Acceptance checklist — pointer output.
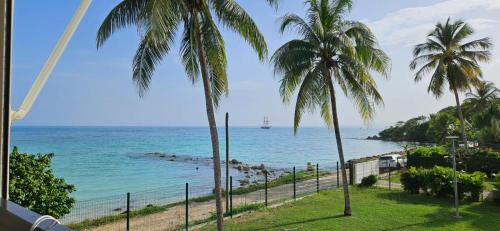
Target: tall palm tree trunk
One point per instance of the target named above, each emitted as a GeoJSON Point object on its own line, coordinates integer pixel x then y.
{"type": "Point", "coordinates": [211, 121]}
{"type": "Point", "coordinates": [347, 200]}
{"type": "Point", "coordinates": [462, 120]}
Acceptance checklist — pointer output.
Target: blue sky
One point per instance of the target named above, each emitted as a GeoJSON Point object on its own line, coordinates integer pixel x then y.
{"type": "Point", "coordinates": [94, 87]}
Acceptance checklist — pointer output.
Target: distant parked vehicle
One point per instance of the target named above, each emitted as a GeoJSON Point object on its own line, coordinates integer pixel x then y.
{"type": "Point", "coordinates": [393, 161]}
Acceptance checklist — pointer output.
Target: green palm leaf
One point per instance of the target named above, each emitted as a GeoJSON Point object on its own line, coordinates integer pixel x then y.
{"type": "Point", "coordinates": [330, 50]}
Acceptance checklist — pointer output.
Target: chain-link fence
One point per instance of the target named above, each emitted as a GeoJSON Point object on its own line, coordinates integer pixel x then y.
{"type": "Point", "coordinates": [166, 208]}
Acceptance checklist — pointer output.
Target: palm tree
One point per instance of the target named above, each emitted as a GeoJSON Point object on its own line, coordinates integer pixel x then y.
{"type": "Point", "coordinates": [485, 94]}
{"type": "Point", "coordinates": [451, 60]}
{"type": "Point", "coordinates": [202, 48]}
{"type": "Point", "coordinates": [330, 50]}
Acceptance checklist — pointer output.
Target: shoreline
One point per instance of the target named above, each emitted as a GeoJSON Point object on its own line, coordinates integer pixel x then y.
{"type": "Point", "coordinates": [252, 173]}
{"type": "Point", "coordinates": [202, 206]}
{"type": "Point", "coordinates": [284, 178]}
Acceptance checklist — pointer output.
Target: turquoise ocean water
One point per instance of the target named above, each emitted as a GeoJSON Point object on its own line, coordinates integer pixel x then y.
{"type": "Point", "coordinates": [107, 161]}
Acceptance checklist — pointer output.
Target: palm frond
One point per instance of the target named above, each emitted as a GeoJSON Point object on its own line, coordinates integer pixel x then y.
{"type": "Point", "coordinates": [483, 44]}
{"type": "Point", "coordinates": [189, 52]}
{"type": "Point", "coordinates": [306, 96]}
{"type": "Point", "coordinates": [293, 21]}
{"type": "Point", "coordinates": [213, 44]}
{"type": "Point", "coordinates": [124, 14]}
{"type": "Point", "coordinates": [147, 56]}
{"type": "Point", "coordinates": [234, 17]}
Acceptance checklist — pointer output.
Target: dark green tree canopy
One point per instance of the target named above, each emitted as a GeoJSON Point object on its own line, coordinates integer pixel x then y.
{"type": "Point", "coordinates": [33, 185]}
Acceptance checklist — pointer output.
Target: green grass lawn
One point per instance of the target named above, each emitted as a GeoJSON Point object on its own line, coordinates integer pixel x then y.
{"type": "Point", "coordinates": [373, 209]}
{"type": "Point", "coordinates": [395, 177]}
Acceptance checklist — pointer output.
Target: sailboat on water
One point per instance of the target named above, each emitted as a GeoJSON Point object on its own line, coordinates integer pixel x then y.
{"type": "Point", "coordinates": [265, 124]}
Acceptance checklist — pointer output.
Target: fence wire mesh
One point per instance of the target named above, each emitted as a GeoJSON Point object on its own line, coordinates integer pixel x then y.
{"type": "Point", "coordinates": [166, 208]}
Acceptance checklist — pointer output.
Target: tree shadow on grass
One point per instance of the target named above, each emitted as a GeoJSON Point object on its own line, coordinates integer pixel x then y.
{"type": "Point", "coordinates": [418, 199]}
{"type": "Point", "coordinates": [481, 216]}
{"type": "Point", "coordinates": [302, 222]}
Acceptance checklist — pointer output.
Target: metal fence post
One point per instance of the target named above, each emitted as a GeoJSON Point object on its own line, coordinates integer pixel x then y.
{"type": "Point", "coordinates": [266, 188]}
{"type": "Point", "coordinates": [317, 178]}
{"type": "Point", "coordinates": [187, 206]}
{"type": "Point", "coordinates": [338, 183]}
{"type": "Point", "coordinates": [227, 160]}
{"type": "Point", "coordinates": [389, 178]}
{"type": "Point", "coordinates": [387, 168]}
{"type": "Point", "coordinates": [231, 196]}
{"type": "Point", "coordinates": [128, 211]}
{"type": "Point", "coordinates": [294, 185]}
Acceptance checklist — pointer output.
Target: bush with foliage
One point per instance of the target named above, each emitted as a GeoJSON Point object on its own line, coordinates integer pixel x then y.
{"type": "Point", "coordinates": [428, 157]}
{"type": "Point", "coordinates": [410, 180]}
{"type": "Point", "coordinates": [368, 181]}
{"type": "Point", "coordinates": [33, 185]}
{"type": "Point", "coordinates": [486, 161]}
{"type": "Point", "coordinates": [496, 192]}
{"type": "Point", "coordinates": [438, 181]}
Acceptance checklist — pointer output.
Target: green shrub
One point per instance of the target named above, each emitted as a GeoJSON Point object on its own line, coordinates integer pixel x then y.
{"type": "Point", "coordinates": [34, 185]}
{"type": "Point", "coordinates": [438, 182]}
{"type": "Point", "coordinates": [497, 180]}
{"type": "Point", "coordinates": [430, 151]}
{"type": "Point", "coordinates": [486, 161]}
{"type": "Point", "coordinates": [428, 157]}
{"type": "Point", "coordinates": [409, 180]}
{"type": "Point", "coordinates": [368, 181]}
{"type": "Point", "coordinates": [496, 192]}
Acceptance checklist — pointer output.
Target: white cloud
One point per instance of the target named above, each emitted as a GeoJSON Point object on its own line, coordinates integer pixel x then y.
{"type": "Point", "coordinates": [410, 25]}
{"type": "Point", "coordinates": [491, 71]}
{"type": "Point", "coordinates": [482, 24]}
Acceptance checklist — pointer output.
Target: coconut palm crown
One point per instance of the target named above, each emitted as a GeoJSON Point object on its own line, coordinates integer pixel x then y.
{"type": "Point", "coordinates": [451, 61]}
{"type": "Point", "coordinates": [158, 22]}
{"type": "Point", "coordinates": [202, 48]}
{"type": "Point", "coordinates": [330, 51]}
{"type": "Point", "coordinates": [484, 95]}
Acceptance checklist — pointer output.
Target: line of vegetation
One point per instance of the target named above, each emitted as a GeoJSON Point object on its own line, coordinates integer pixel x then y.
{"type": "Point", "coordinates": [300, 176]}
{"type": "Point", "coordinates": [484, 160]}
{"type": "Point", "coordinates": [481, 112]}
{"type": "Point", "coordinates": [115, 217]}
